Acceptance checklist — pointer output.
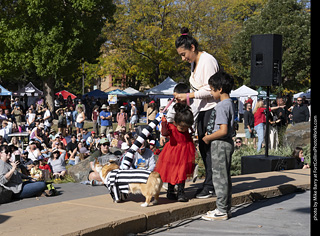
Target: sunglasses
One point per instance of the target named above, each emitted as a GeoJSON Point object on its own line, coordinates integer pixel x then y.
{"type": "Point", "coordinates": [238, 142]}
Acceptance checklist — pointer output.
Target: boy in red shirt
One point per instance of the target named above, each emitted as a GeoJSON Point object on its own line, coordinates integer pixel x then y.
{"type": "Point", "coordinates": [47, 172]}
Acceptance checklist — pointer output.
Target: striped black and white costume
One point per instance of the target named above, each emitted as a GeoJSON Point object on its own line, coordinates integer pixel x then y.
{"type": "Point", "coordinates": [128, 158]}
{"type": "Point", "coordinates": [112, 181]}
{"type": "Point", "coordinates": [117, 181]}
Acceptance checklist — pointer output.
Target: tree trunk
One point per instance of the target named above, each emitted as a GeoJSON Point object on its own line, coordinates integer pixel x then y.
{"type": "Point", "coordinates": [48, 91]}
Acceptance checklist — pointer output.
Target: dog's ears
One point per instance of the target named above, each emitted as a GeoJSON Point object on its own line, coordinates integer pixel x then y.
{"type": "Point", "coordinates": [97, 160]}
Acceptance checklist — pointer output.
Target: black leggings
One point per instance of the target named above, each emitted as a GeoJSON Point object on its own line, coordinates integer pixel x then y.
{"type": "Point", "coordinates": [202, 122]}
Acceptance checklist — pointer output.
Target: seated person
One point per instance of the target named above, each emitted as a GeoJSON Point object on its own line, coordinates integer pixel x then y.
{"type": "Point", "coordinates": [46, 169]}
{"type": "Point", "coordinates": [102, 154]}
{"type": "Point", "coordinates": [299, 159]}
{"type": "Point", "coordinates": [36, 172]}
{"type": "Point", "coordinates": [33, 151]}
{"type": "Point", "coordinates": [238, 143]}
{"type": "Point", "coordinates": [144, 159]}
{"type": "Point", "coordinates": [57, 163]}
{"type": "Point", "coordinates": [79, 154]}
{"type": "Point", "coordinates": [11, 179]}
{"type": "Point", "coordinates": [92, 141]}
{"type": "Point", "coordinates": [26, 164]}
{"type": "Point", "coordinates": [153, 147]}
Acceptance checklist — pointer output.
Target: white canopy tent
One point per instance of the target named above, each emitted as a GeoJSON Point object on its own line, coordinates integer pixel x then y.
{"type": "Point", "coordinates": [301, 94]}
{"type": "Point", "coordinates": [242, 95]}
{"type": "Point", "coordinates": [133, 92]}
{"type": "Point", "coordinates": [165, 88]}
{"type": "Point", "coordinates": [163, 91]}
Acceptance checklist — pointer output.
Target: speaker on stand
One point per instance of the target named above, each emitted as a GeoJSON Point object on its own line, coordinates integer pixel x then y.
{"type": "Point", "coordinates": [266, 59]}
{"type": "Point", "coordinates": [266, 55]}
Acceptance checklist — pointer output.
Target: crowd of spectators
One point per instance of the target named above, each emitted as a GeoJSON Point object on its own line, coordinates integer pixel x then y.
{"type": "Point", "coordinates": [51, 148]}
{"type": "Point", "coordinates": [282, 112]}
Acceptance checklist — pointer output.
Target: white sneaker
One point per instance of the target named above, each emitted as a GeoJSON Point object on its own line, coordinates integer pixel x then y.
{"type": "Point", "coordinates": [212, 212]}
{"type": "Point", "coordinates": [215, 215]}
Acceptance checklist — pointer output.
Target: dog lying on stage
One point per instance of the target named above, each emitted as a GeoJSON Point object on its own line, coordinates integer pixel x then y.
{"type": "Point", "coordinates": [134, 181]}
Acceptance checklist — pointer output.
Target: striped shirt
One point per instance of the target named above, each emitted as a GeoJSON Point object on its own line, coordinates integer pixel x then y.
{"type": "Point", "coordinates": [117, 181]}
{"type": "Point", "coordinates": [129, 156]}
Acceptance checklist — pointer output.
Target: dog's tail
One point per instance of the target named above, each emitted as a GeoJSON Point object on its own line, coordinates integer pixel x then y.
{"type": "Point", "coordinates": [158, 183]}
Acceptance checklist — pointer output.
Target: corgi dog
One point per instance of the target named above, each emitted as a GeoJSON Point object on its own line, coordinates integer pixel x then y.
{"type": "Point", "coordinates": [149, 189]}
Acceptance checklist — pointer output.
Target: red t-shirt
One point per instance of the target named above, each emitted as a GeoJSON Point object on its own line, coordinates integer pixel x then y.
{"type": "Point", "coordinates": [45, 167]}
{"type": "Point", "coordinates": [260, 116]}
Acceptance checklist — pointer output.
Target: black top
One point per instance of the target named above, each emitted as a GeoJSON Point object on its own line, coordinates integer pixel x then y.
{"type": "Point", "coordinates": [300, 113]}
{"type": "Point", "coordinates": [248, 119]}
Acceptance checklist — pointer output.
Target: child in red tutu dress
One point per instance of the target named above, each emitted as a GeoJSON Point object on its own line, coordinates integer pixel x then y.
{"type": "Point", "coordinates": [176, 160]}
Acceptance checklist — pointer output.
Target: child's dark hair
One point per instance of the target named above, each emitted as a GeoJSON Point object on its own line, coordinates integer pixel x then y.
{"type": "Point", "coordinates": [295, 153]}
{"type": "Point", "coordinates": [183, 114]}
{"type": "Point", "coordinates": [186, 40]}
{"type": "Point", "coordinates": [181, 88]}
{"type": "Point", "coordinates": [221, 80]}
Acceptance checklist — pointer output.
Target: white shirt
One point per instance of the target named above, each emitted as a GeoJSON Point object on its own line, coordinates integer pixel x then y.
{"type": "Point", "coordinates": [207, 66]}
{"type": "Point", "coordinates": [33, 155]}
{"type": "Point", "coordinates": [31, 116]}
{"type": "Point", "coordinates": [45, 115]}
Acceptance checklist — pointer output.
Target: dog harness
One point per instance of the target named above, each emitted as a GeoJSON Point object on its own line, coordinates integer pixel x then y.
{"type": "Point", "coordinates": [117, 181]}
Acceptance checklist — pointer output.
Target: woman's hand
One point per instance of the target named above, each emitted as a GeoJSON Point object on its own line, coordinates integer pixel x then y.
{"type": "Point", "coordinates": [180, 96]}
{"type": "Point", "coordinates": [15, 164]}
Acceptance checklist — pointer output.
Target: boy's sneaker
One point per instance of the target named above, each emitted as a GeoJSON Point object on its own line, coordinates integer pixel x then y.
{"type": "Point", "coordinates": [212, 212]}
{"type": "Point", "coordinates": [215, 215]}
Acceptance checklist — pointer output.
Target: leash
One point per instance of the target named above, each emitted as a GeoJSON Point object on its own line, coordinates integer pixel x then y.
{"type": "Point", "coordinates": [128, 158]}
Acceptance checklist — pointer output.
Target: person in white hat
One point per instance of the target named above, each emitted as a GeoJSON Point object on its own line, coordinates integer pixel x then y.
{"type": "Point", "coordinates": [133, 116]}
{"type": "Point", "coordinates": [124, 148]}
{"type": "Point", "coordinates": [122, 117]}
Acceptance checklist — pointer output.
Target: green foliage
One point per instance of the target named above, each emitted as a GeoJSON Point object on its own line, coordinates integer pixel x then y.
{"type": "Point", "coordinates": [291, 19]}
{"type": "Point", "coordinates": [140, 40]}
{"type": "Point", "coordinates": [48, 38]}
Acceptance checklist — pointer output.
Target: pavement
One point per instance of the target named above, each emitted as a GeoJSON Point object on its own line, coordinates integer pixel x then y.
{"type": "Point", "coordinates": [91, 214]}
{"type": "Point", "coordinates": [284, 215]}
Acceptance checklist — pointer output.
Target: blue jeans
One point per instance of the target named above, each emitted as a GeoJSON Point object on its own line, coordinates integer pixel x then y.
{"type": "Point", "coordinates": [260, 132]}
{"type": "Point", "coordinates": [30, 189]}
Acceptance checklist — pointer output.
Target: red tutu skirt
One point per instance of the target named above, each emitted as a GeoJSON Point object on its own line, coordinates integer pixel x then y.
{"type": "Point", "coordinates": [176, 160]}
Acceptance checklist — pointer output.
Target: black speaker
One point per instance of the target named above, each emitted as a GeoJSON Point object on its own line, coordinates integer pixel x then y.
{"type": "Point", "coordinates": [260, 163]}
{"type": "Point", "coordinates": [266, 55]}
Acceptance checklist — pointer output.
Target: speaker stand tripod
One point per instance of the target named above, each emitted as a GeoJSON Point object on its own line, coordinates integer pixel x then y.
{"type": "Point", "coordinates": [267, 124]}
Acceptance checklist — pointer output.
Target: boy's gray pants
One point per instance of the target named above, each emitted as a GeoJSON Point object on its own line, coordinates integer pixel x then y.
{"type": "Point", "coordinates": [221, 153]}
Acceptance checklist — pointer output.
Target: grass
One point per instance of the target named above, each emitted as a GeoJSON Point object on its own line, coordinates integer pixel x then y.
{"type": "Point", "coordinates": [249, 151]}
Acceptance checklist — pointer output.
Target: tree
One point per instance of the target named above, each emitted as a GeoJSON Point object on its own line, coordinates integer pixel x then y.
{"type": "Point", "coordinates": [291, 19]}
{"type": "Point", "coordinates": [49, 38]}
{"type": "Point", "coordinates": [140, 42]}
